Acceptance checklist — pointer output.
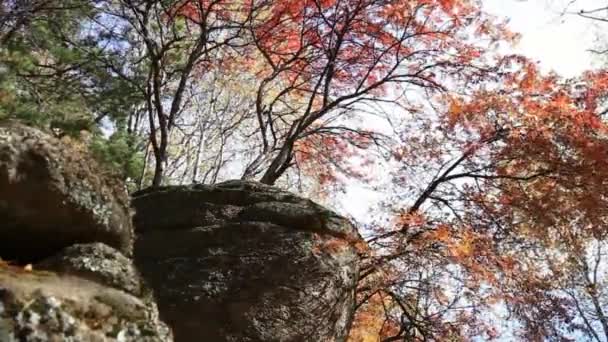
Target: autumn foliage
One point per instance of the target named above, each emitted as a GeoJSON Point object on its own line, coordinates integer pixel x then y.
{"type": "Point", "coordinates": [496, 169]}
{"type": "Point", "coordinates": [514, 213]}
{"type": "Point", "coordinates": [493, 173]}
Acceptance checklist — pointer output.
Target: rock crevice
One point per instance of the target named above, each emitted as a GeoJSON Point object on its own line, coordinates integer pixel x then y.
{"type": "Point", "coordinates": [235, 261]}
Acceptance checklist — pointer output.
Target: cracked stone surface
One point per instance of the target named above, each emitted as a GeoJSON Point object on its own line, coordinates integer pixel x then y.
{"type": "Point", "coordinates": [242, 261]}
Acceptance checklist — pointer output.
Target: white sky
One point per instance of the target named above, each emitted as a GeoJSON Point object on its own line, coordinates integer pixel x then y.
{"type": "Point", "coordinates": [557, 42]}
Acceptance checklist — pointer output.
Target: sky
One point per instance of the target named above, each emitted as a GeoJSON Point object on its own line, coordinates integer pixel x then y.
{"type": "Point", "coordinates": [558, 42]}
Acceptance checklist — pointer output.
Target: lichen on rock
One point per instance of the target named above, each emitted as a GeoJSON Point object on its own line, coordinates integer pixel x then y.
{"type": "Point", "coordinates": [236, 261]}
{"type": "Point", "coordinates": [97, 262]}
{"type": "Point", "coordinates": [42, 306]}
{"type": "Point", "coordinates": [53, 195]}
{"type": "Point", "coordinates": [61, 213]}
{"type": "Point", "coordinates": [242, 261]}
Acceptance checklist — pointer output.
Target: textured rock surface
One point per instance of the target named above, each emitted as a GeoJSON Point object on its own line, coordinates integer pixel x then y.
{"type": "Point", "coordinates": [52, 195]}
{"type": "Point", "coordinates": [41, 306]}
{"type": "Point", "coordinates": [96, 262]}
{"type": "Point", "coordinates": [240, 261]}
{"type": "Point", "coordinates": [57, 209]}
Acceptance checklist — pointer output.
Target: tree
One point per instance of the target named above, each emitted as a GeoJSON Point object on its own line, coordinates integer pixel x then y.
{"type": "Point", "coordinates": [212, 135]}
{"type": "Point", "coordinates": [324, 59]}
{"type": "Point", "coordinates": [43, 73]}
{"type": "Point", "coordinates": [50, 76]}
{"type": "Point", "coordinates": [164, 46]}
{"type": "Point", "coordinates": [513, 201]}
{"type": "Point", "coordinates": [496, 171]}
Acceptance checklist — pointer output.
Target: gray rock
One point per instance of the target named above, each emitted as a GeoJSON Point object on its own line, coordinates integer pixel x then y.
{"type": "Point", "coordinates": [96, 262]}
{"type": "Point", "coordinates": [41, 306]}
{"type": "Point", "coordinates": [53, 195]}
{"type": "Point", "coordinates": [184, 207]}
{"type": "Point", "coordinates": [241, 261]}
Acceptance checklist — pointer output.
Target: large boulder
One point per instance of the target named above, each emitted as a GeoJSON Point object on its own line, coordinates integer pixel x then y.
{"type": "Point", "coordinates": [41, 306]}
{"type": "Point", "coordinates": [53, 195]}
{"type": "Point", "coordinates": [60, 212]}
{"type": "Point", "coordinates": [241, 261]}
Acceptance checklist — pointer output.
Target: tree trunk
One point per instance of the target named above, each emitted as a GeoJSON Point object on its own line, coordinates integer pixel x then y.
{"type": "Point", "coordinates": [159, 170]}
{"type": "Point", "coordinates": [279, 164]}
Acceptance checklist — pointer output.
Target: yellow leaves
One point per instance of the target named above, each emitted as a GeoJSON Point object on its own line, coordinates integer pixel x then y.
{"type": "Point", "coordinates": [455, 111]}
{"type": "Point", "coordinates": [370, 323]}
{"type": "Point", "coordinates": [461, 249]}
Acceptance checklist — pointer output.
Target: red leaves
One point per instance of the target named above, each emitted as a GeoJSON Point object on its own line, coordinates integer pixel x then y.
{"type": "Point", "coordinates": [410, 220]}
{"type": "Point", "coordinates": [543, 183]}
{"type": "Point", "coordinates": [362, 39]}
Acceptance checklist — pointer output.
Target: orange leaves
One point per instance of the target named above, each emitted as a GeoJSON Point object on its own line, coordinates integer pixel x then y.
{"type": "Point", "coordinates": [471, 250]}
{"type": "Point", "coordinates": [536, 109]}
{"type": "Point", "coordinates": [414, 219]}
{"type": "Point", "coordinates": [455, 111]}
{"type": "Point", "coordinates": [462, 249]}
{"type": "Point", "coordinates": [464, 246]}
{"type": "Point", "coordinates": [529, 78]}
{"type": "Point", "coordinates": [370, 323]}
{"type": "Point", "coordinates": [442, 234]}
{"type": "Point", "coordinates": [461, 245]}
{"type": "Point", "coordinates": [540, 187]}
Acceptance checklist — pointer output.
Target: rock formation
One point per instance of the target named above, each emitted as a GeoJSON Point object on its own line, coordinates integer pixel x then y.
{"type": "Point", "coordinates": [44, 306]}
{"type": "Point", "coordinates": [58, 212]}
{"type": "Point", "coordinates": [51, 189]}
{"type": "Point", "coordinates": [240, 261]}
{"type": "Point", "coordinates": [236, 261]}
